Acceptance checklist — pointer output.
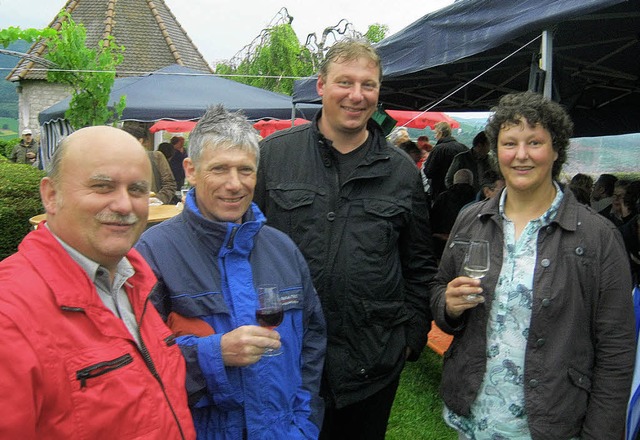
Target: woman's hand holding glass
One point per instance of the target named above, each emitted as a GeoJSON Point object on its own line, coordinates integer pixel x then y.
{"type": "Point", "coordinates": [464, 292]}
{"type": "Point", "coordinates": [476, 262]}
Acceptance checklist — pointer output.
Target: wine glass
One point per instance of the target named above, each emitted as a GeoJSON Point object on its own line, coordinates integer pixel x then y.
{"type": "Point", "coordinates": [476, 262]}
{"type": "Point", "coordinates": [269, 313]}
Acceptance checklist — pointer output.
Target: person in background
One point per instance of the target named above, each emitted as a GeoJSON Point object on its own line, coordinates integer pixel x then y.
{"type": "Point", "coordinates": [581, 186]}
{"type": "Point", "coordinates": [543, 345]}
{"type": "Point", "coordinates": [83, 354]}
{"type": "Point", "coordinates": [492, 185]}
{"type": "Point", "coordinates": [602, 194]}
{"type": "Point", "coordinates": [179, 155]}
{"type": "Point", "coordinates": [398, 136]}
{"type": "Point", "coordinates": [412, 150]}
{"type": "Point", "coordinates": [620, 212]}
{"type": "Point", "coordinates": [425, 147]}
{"type": "Point", "coordinates": [631, 236]}
{"type": "Point", "coordinates": [475, 159]}
{"type": "Point", "coordinates": [356, 208]}
{"type": "Point", "coordinates": [163, 184]}
{"type": "Point", "coordinates": [167, 149]}
{"type": "Point", "coordinates": [209, 261]}
{"type": "Point", "coordinates": [440, 159]}
{"type": "Point", "coordinates": [447, 205]}
{"type": "Point", "coordinates": [26, 151]}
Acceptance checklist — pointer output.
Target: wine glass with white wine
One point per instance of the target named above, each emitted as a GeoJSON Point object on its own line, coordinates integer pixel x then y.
{"type": "Point", "coordinates": [476, 262]}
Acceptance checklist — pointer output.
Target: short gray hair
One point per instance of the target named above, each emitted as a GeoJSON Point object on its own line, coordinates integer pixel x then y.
{"type": "Point", "coordinates": [221, 129]}
{"type": "Point", "coordinates": [463, 175]}
{"type": "Point", "coordinates": [54, 165]}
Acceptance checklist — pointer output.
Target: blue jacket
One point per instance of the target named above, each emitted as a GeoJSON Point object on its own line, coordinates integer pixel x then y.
{"type": "Point", "coordinates": [208, 270]}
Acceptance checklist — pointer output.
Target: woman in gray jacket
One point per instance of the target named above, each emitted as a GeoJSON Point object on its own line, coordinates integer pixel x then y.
{"type": "Point", "coordinates": [544, 344]}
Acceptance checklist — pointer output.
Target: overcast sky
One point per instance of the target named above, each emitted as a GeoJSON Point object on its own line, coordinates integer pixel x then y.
{"type": "Point", "coordinates": [221, 28]}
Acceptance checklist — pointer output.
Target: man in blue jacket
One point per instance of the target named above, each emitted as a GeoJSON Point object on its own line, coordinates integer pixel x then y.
{"type": "Point", "coordinates": [209, 261]}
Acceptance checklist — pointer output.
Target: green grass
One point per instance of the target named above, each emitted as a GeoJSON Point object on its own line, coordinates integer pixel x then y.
{"type": "Point", "coordinates": [417, 410]}
{"type": "Point", "coordinates": [8, 128]}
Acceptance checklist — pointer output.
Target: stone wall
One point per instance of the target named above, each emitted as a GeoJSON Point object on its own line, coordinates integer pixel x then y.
{"type": "Point", "coordinates": [35, 96]}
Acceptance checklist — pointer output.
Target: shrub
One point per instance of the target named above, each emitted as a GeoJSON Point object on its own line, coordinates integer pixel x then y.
{"type": "Point", "coordinates": [6, 147]}
{"type": "Point", "coordinates": [19, 201]}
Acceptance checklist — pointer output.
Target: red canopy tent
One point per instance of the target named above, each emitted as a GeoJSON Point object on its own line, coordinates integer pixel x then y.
{"type": "Point", "coordinates": [268, 126]}
{"type": "Point", "coordinates": [265, 127]}
{"type": "Point", "coordinates": [416, 119]}
{"type": "Point", "coordinates": [173, 126]}
{"type": "Point", "coordinates": [405, 118]}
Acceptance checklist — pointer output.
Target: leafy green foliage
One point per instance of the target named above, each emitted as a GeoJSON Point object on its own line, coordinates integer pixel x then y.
{"type": "Point", "coordinates": [279, 57]}
{"type": "Point", "coordinates": [6, 146]}
{"type": "Point", "coordinates": [19, 201]}
{"type": "Point", "coordinates": [376, 32]}
{"type": "Point", "coordinates": [13, 33]}
{"type": "Point", "coordinates": [91, 73]}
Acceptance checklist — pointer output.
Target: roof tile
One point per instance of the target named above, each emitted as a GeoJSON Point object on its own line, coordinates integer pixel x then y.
{"type": "Point", "coordinates": [148, 30]}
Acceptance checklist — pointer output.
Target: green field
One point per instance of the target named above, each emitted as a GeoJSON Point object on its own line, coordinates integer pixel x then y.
{"type": "Point", "coordinates": [8, 129]}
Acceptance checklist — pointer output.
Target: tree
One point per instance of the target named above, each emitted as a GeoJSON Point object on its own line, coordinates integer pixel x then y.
{"type": "Point", "coordinates": [275, 58]}
{"type": "Point", "coordinates": [90, 73]}
{"type": "Point", "coordinates": [376, 32]}
{"type": "Point", "coordinates": [274, 63]}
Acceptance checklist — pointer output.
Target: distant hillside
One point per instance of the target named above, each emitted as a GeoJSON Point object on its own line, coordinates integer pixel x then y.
{"type": "Point", "coordinates": [8, 94]}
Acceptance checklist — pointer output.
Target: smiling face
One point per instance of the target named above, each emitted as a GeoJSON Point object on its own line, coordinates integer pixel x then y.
{"type": "Point", "coordinates": [526, 157]}
{"type": "Point", "coordinates": [349, 92]}
{"type": "Point", "coordinates": [225, 180]}
{"type": "Point", "coordinates": [99, 201]}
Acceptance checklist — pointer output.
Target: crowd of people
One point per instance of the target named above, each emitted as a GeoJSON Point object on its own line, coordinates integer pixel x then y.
{"type": "Point", "coordinates": [113, 330]}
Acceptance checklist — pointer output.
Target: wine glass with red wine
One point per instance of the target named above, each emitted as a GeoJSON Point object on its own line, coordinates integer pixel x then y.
{"type": "Point", "coordinates": [269, 313]}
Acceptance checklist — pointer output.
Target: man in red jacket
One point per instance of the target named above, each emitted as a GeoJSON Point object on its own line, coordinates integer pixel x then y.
{"type": "Point", "coordinates": [84, 352]}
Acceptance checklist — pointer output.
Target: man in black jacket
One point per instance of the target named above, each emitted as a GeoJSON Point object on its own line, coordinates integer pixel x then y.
{"type": "Point", "coordinates": [441, 157]}
{"type": "Point", "coordinates": [356, 208]}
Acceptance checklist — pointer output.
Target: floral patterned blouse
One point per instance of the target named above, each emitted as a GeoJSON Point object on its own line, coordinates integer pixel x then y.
{"type": "Point", "coordinates": [499, 412]}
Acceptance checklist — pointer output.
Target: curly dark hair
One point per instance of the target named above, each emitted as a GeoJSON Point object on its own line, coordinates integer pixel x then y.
{"type": "Point", "coordinates": [535, 109]}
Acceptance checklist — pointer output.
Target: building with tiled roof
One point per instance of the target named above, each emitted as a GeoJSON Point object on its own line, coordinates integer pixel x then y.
{"type": "Point", "coordinates": [148, 30]}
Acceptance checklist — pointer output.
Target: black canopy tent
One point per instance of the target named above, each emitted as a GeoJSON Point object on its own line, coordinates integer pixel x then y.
{"type": "Point", "coordinates": [466, 56]}
{"type": "Point", "coordinates": [181, 93]}
{"type": "Point", "coordinates": [178, 93]}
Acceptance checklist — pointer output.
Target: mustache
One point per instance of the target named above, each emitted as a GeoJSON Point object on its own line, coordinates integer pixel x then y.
{"type": "Point", "coordinates": [112, 217]}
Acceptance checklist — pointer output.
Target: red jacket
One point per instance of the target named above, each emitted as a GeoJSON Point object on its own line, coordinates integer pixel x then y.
{"type": "Point", "coordinates": [69, 368]}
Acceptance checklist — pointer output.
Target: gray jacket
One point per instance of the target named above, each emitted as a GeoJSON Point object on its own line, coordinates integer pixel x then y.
{"type": "Point", "coordinates": [581, 348]}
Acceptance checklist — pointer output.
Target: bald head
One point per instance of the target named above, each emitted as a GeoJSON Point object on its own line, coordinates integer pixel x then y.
{"type": "Point", "coordinates": [94, 140]}
{"type": "Point", "coordinates": [97, 193]}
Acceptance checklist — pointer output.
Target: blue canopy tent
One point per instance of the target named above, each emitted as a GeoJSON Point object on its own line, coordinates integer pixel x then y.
{"type": "Point", "coordinates": [178, 93]}
{"type": "Point", "coordinates": [583, 53]}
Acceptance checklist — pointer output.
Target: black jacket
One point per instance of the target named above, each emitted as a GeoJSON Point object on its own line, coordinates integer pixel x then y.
{"type": "Point", "coordinates": [368, 246]}
{"type": "Point", "coordinates": [439, 161]}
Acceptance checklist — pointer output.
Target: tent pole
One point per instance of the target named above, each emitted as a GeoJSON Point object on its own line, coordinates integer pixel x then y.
{"type": "Point", "coordinates": [547, 61]}
{"type": "Point", "coordinates": [293, 114]}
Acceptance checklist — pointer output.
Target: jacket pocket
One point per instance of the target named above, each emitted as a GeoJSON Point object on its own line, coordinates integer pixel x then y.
{"type": "Point", "coordinates": [101, 368]}
{"type": "Point", "coordinates": [580, 380]}
{"type": "Point", "coordinates": [382, 222]}
{"type": "Point", "coordinates": [378, 341]}
{"type": "Point", "coordinates": [294, 209]}
{"type": "Point", "coordinates": [289, 199]}
{"type": "Point", "coordinates": [111, 378]}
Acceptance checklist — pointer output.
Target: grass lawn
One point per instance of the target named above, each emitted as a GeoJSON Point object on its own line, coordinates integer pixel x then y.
{"type": "Point", "coordinates": [417, 410]}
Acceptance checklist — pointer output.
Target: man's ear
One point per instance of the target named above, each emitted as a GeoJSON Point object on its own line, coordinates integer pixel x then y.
{"type": "Point", "coordinates": [320, 86]}
{"type": "Point", "coordinates": [189, 171]}
{"type": "Point", "coordinates": [49, 195]}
